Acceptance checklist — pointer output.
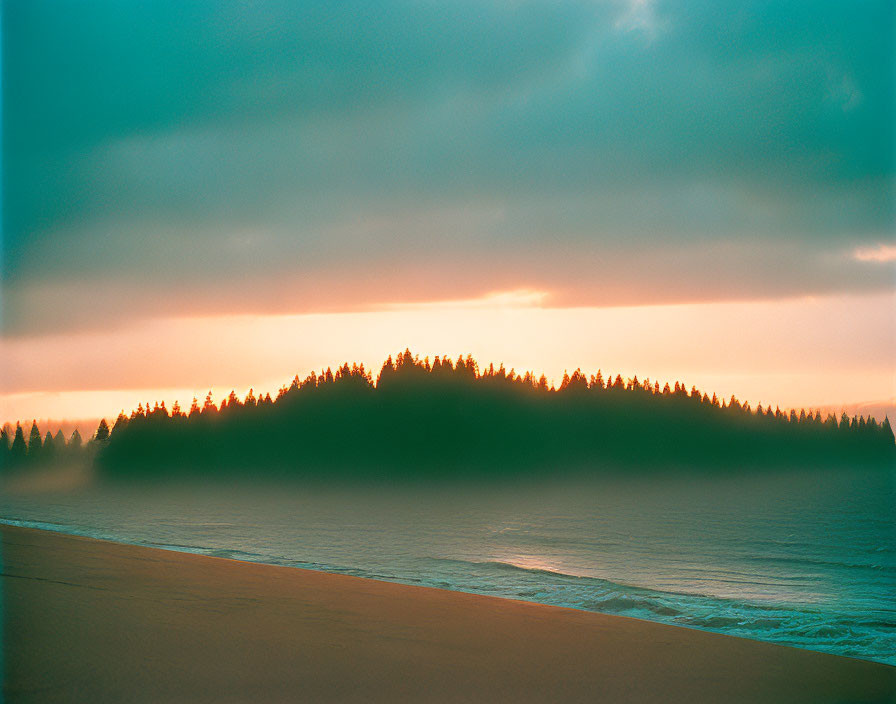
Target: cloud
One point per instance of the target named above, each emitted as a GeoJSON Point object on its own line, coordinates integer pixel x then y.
{"type": "Point", "coordinates": [639, 15]}
{"type": "Point", "coordinates": [881, 253]}
{"type": "Point", "coordinates": [183, 157]}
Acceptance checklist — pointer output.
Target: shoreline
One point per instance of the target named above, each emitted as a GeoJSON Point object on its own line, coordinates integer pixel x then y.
{"type": "Point", "coordinates": [86, 619]}
{"type": "Point", "coordinates": [65, 530]}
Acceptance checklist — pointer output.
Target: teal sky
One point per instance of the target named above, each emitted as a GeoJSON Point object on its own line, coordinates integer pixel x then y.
{"type": "Point", "coordinates": [169, 158]}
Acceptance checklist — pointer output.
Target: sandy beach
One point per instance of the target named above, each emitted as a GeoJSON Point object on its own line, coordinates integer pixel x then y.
{"type": "Point", "coordinates": [87, 620]}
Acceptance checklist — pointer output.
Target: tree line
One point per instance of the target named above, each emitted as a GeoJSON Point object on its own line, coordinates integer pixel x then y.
{"type": "Point", "coordinates": [440, 417]}
{"type": "Point", "coordinates": [17, 451]}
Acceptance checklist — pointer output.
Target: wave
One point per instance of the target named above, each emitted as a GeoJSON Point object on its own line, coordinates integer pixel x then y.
{"type": "Point", "coordinates": [818, 627]}
{"type": "Point", "coordinates": [820, 562]}
{"type": "Point", "coordinates": [609, 585]}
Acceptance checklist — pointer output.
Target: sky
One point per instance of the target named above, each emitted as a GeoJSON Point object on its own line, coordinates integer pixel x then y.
{"type": "Point", "coordinates": [215, 195]}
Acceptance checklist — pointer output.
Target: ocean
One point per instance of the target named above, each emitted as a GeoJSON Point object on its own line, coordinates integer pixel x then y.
{"type": "Point", "coordinates": [805, 559]}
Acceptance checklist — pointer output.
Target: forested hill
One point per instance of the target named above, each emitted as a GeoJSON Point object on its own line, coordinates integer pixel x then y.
{"type": "Point", "coordinates": [425, 418]}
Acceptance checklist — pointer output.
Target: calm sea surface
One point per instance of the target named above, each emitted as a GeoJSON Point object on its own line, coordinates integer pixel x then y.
{"type": "Point", "coordinates": [800, 559]}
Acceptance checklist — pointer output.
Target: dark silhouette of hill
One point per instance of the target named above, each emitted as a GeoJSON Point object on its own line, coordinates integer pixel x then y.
{"type": "Point", "coordinates": [438, 418]}
{"type": "Point", "coordinates": [425, 419]}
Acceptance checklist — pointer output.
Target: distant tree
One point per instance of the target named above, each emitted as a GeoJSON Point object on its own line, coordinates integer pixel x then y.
{"type": "Point", "coordinates": [844, 422]}
{"type": "Point", "coordinates": [18, 450]}
{"type": "Point", "coordinates": [34, 442]}
{"type": "Point", "coordinates": [102, 431]}
{"type": "Point", "coordinates": [59, 441]}
{"type": "Point", "coordinates": [49, 449]}
{"type": "Point", "coordinates": [75, 441]}
{"type": "Point", "coordinates": [6, 434]}
{"type": "Point", "coordinates": [120, 423]}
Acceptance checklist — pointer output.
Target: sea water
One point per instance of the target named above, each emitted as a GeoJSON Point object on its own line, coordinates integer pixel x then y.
{"type": "Point", "coordinates": [805, 559]}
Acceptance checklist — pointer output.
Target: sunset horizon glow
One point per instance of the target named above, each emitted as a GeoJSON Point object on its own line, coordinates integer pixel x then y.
{"type": "Point", "coordinates": [783, 353]}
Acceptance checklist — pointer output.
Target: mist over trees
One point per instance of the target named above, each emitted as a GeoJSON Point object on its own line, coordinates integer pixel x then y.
{"type": "Point", "coordinates": [443, 417]}
{"type": "Point", "coordinates": [17, 453]}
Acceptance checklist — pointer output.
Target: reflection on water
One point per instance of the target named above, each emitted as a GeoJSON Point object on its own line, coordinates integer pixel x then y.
{"type": "Point", "coordinates": [799, 559]}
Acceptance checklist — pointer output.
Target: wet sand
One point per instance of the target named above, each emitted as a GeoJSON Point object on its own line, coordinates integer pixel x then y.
{"type": "Point", "coordinates": [91, 621]}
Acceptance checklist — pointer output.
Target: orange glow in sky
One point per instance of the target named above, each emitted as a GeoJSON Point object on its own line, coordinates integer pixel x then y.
{"type": "Point", "coordinates": [803, 352]}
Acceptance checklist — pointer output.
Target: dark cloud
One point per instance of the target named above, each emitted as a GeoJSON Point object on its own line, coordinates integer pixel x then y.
{"type": "Point", "coordinates": [200, 156]}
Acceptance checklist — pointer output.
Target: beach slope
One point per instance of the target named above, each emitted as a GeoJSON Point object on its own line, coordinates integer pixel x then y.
{"type": "Point", "coordinates": [87, 620]}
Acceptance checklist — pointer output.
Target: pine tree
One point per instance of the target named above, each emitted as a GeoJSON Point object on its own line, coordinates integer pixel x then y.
{"type": "Point", "coordinates": [6, 434]}
{"type": "Point", "coordinates": [75, 441]}
{"type": "Point", "coordinates": [120, 423]}
{"type": "Point", "coordinates": [102, 431]}
{"type": "Point", "coordinates": [18, 450]}
{"type": "Point", "coordinates": [34, 442]}
{"type": "Point", "coordinates": [49, 449]}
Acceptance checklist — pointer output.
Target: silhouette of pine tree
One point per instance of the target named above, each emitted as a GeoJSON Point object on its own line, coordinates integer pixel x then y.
{"type": "Point", "coordinates": [120, 423]}
{"type": "Point", "coordinates": [6, 435]}
{"type": "Point", "coordinates": [18, 449]}
{"type": "Point", "coordinates": [34, 442]}
{"type": "Point", "coordinates": [75, 442]}
{"type": "Point", "coordinates": [48, 451]}
{"type": "Point", "coordinates": [102, 431]}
